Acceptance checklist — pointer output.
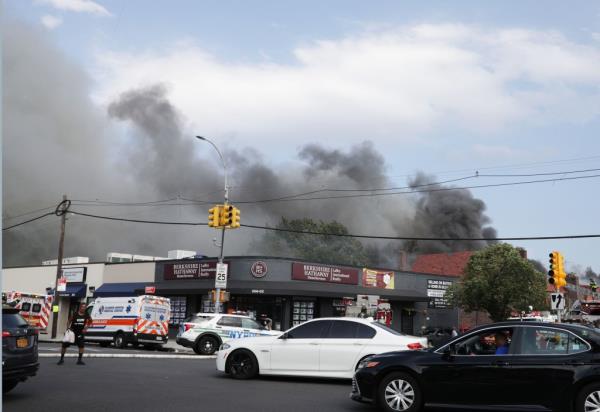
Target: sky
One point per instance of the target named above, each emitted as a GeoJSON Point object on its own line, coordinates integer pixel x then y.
{"type": "Point", "coordinates": [448, 88]}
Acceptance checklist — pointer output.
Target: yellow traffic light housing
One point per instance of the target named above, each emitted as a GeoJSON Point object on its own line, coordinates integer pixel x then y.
{"type": "Point", "coordinates": [235, 218]}
{"type": "Point", "coordinates": [561, 279]}
{"type": "Point", "coordinates": [553, 272]}
{"type": "Point", "coordinates": [214, 216]}
{"type": "Point", "coordinates": [226, 215]}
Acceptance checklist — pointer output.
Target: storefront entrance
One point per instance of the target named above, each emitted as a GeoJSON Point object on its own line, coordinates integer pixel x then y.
{"type": "Point", "coordinates": [258, 307]}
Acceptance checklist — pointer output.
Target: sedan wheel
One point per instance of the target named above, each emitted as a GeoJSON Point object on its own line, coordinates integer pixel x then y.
{"type": "Point", "coordinates": [588, 399]}
{"type": "Point", "coordinates": [399, 392]}
{"type": "Point", "coordinates": [242, 365]}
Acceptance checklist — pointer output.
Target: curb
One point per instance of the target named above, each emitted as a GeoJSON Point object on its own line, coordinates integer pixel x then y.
{"type": "Point", "coordinates": [123, 355]}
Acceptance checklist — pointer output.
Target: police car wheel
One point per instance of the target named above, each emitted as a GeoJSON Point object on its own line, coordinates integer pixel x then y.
{"type": "Point", "coordinates": [207, 345]}
{"type": "Point", "coordinates": [242, 365]}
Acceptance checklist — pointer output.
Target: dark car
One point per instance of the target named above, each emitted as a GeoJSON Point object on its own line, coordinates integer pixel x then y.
{"type": "Point", "coordinates": [19, 349]}
{"type": "Point", "coordinates": [437, 336]}
{"type": "Point", "coordinates": [504, 366]}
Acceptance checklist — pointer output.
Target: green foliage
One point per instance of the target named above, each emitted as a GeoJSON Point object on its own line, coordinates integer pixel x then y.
{"type": "Point", "coordinates": [324, 249]}
{"type": "Point", "coordinates": [498, 280]}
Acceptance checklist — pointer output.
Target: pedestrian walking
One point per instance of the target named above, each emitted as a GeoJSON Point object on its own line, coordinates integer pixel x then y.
{"type": "Point", "coordinates": [76, 325]}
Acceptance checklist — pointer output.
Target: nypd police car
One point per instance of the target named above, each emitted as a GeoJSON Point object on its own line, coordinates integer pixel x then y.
{"type": "Point", "coordinates": [205, 332]}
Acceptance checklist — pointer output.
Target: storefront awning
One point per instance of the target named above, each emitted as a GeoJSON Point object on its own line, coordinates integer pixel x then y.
{"type": "Point", "coordinates": [119, 289]}
{"type": "Point", "coordinates": [291, 288]}
{"type": "Point", "coordinates": [74, 290]}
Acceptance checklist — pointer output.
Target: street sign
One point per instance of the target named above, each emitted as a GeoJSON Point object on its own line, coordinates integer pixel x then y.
{"type": "Point", "coordinates": [557, 301]}
{"type": "Point", "coordinates": [221, 276]}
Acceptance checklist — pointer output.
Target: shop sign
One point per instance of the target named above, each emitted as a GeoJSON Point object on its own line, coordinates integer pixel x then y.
{"type": "Point", "coordinates": [150, 290]}
{"type": "Point", "coordinates": [74, 275]}
{"type": "Point", "coordinates": [190, 270]}
{"type": "Point", "coordinates": [259, 269]}
{"type": "Point", "coordinates": [378, 279]}
{"type": "Point", "coordinates": [322, 273]}
{"type": "Point", "coordinates": [436, 291]}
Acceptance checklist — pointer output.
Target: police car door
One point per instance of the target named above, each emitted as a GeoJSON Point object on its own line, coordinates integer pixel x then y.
{"type": "Point", "coordinates": [231, 327]}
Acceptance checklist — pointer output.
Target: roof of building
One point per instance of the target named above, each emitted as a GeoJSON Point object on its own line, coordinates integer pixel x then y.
{"type": "Point", "coordinates": [447, 264]}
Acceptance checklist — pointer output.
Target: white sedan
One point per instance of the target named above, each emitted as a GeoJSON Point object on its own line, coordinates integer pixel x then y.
{"type": "Point", "coordinates": [324, 347]}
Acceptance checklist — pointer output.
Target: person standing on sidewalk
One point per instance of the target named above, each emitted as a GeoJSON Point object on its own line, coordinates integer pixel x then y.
{"type": "Point", "coordinates": [77, 324]}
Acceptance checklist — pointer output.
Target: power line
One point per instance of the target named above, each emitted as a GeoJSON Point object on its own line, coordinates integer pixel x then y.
{"type": "Point", "coordinates": [28, 221]}
{"type": "Point", "coordinates": [306, 232]}
{"type": "Point", "coordinates": [154, 222]}
{"type": "Point", "coordinates": [300, 196]}
{"type": "Point", "coordinates": [28, 213]}
{"type": "Point", "coordinates": [423, 238]}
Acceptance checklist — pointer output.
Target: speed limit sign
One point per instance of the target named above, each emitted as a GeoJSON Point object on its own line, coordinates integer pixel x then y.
{"type": "Point", "coordinates": [221, 277]}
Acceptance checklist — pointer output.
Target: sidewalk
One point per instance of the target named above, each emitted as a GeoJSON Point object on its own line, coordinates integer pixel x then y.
{"type": "Point", "coordinates": [171, 346]}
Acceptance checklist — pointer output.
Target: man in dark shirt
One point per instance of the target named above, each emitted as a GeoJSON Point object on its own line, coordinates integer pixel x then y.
{"type": "Point", "coordinates": [77, 324]}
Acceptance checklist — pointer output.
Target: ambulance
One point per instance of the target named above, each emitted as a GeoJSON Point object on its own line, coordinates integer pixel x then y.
{"type": "Point", "coordinates": [123, 320]}
{"type": "Point", "coordinates": [34, 308]}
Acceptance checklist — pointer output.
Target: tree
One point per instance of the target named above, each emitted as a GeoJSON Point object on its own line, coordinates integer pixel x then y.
{"type": "Point", "coordinates": [498, 280]}
{"type": "Point", "coordinates": [318, 248]}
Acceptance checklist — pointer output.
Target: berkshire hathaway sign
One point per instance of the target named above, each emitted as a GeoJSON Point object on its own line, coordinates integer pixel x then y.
{"type": "Point", "coordinates": [323, 273]}
{"type": "Point", "coordinates": [191, 270]}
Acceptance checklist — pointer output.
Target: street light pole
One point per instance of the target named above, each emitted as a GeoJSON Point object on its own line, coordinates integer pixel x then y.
{"type": "Point", "coordinates": [218, 297]}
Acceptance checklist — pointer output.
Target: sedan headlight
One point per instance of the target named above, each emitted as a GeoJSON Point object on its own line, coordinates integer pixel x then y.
{"type": "Point", "coordinates": [225, 346]}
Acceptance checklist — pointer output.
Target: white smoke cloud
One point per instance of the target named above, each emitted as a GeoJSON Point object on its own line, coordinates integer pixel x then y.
{"type": "Point", "coordinates": [389, 86]}
{"type": "Point", "coordinates": [77, 6]}
{"type": "Point", "coordinates": [51, 22]}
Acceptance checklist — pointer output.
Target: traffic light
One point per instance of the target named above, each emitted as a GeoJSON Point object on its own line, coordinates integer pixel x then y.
{"type": "Point", "coordinates": [214, 216]}
{"type": "Point", "coordinates": [553, 272]}
{"type": "Point", "coordinates": [226, 215]}
{"type": "Point", "coordinates": [235, 218]}
{"type": "Point", "coordinates": [561, 279]}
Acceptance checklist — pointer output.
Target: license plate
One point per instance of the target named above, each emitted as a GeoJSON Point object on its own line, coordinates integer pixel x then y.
{"type": "Point", "coordinates": [22, 343]}
{"type": "Point", "coordinates": [159, 338]}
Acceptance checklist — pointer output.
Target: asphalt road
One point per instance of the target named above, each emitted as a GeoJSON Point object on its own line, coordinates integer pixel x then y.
{"type": "Point", "coordinates": [91, 348]}
{"type": "Point", "coordinates": [171, 384]}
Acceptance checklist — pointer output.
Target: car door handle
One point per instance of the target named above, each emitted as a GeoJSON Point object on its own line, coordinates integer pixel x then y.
{"type": "Point", "coordinates": [313, 343]}
{"type": "Point", "coordinates": [357, 344]}
{"type": "Point", "coordinates": [500, 363]}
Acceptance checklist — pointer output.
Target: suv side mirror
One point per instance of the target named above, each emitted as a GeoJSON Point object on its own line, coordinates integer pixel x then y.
{"type": "Point", "coordinates": [284, 336]}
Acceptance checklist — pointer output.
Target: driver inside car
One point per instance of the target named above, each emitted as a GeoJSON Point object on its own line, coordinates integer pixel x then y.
{"type": "Point", "coordinates": [502, 345]}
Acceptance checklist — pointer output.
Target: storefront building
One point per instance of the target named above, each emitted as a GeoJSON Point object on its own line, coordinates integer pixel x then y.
{"type": "Point", "coordinates": [285, 291]}
{"type": "Point", "coordinates": [289, 292]}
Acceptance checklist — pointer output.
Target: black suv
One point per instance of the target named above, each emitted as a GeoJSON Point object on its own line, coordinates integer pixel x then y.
{"type": "Point", "coordinates": [504, 366]}
{"type": "Point", "coordinates": [19, 349]}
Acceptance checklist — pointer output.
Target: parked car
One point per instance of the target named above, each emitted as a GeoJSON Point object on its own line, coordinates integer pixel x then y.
{"type": "Point", "coordinates": [324, 347]}
{"type": "Point", "coordinates": [518, 365]}
{"type": "Point", "coordinates": [19, 349]}
{"type": "Point", "coordinates": [205, 332]}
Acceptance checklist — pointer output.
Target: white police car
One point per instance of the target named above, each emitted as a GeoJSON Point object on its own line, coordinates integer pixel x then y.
{"type": "Point", "coordinates": [205, 332]}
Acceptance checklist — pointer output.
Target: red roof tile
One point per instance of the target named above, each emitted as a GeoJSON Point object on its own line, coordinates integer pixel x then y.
{"type": "Point", "coordinates": [449, 264]}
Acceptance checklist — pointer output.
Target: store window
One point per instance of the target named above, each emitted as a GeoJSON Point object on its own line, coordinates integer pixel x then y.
{"type": "Point", "coordinates": [302, 310]}
{"type": "Point", "coordinates": [178, 310]}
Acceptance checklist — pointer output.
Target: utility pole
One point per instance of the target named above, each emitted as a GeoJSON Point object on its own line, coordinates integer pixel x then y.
{"type": "Point", "coordinates": [61, 210]}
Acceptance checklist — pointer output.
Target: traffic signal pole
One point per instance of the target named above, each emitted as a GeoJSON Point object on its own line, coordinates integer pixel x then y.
{"type": "Point", "coordinates": [61, 210]}
{"type": "Point", "coordinates": [226, 194]}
